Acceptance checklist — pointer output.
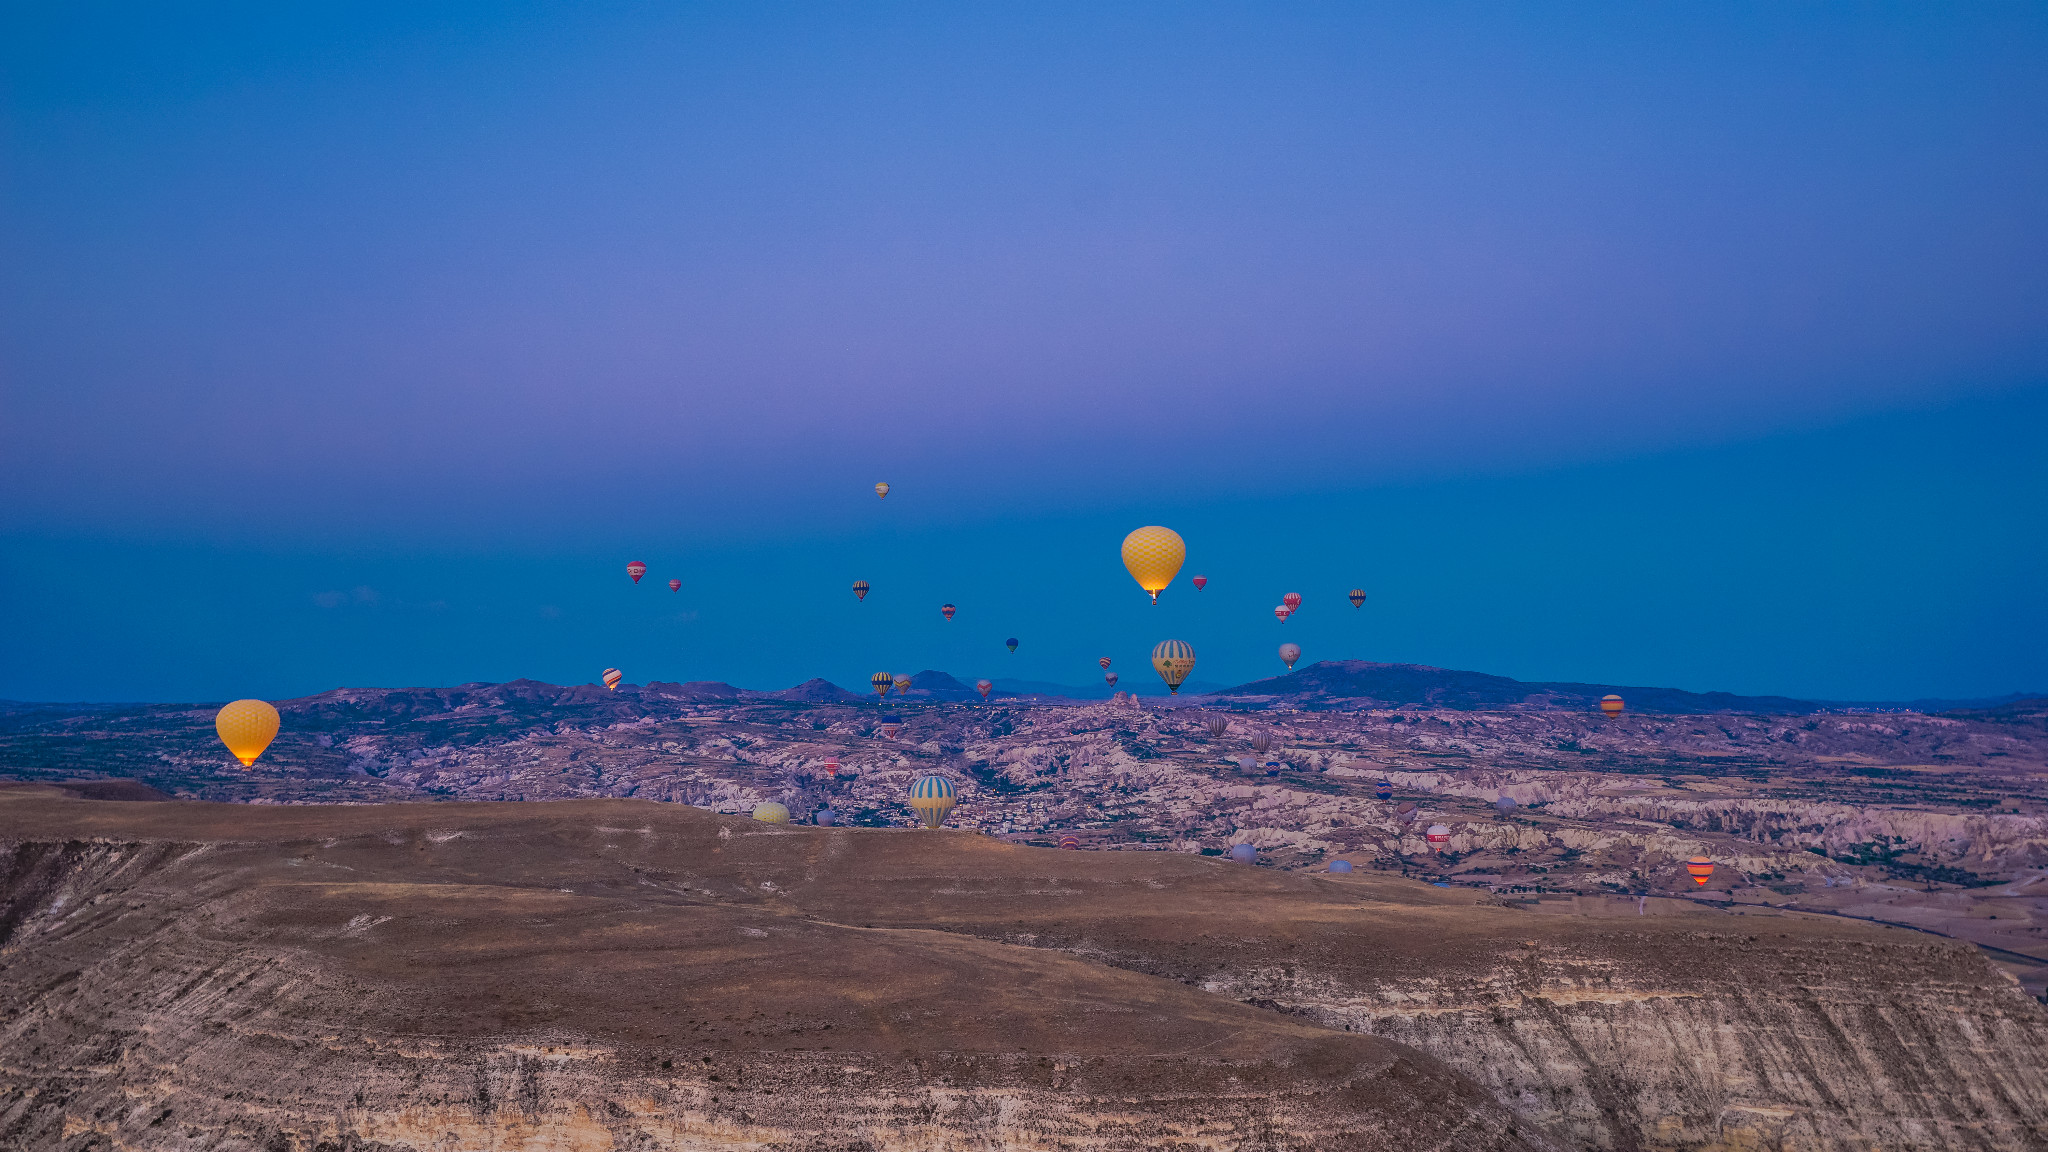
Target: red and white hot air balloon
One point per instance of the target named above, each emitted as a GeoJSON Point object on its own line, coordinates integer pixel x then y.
{"type": "Point", "coordinates": [636, 570]}
{"type": "Point", "coordinates": [1200, 582]}
{"type": "Point", "coordinates": [982, 686]}
{"type": "Point", "coordinates": [1281, 612]}
{"type": "Point", "coordinates": [832, 767]}
{"type": "Point", "coordinates": [1292, 600]}
{"type": "Point", "coordinates": [1438, 836]}
{"type": "Point", "coordinates": [675, 585]}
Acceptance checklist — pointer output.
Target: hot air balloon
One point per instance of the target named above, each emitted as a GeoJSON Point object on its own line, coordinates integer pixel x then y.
{"type": "Point", "coordinates": [982, 686]}
{"type": "Point", "coordinates": [771, 813]}
{"type": "Point", "coordinates": [1611, 705]}
{"type": "Point", "coordinates": [881, 491]}
{"type": "Point", "coordinates": [1384, 790]}
{"type": "Point", "coordinates": [1218, 725]}
{"type": "Point", "coordinates": [1407, 811]}
{"type": "Point", "coordinates": [1070, 841]}
{"type": "Point", "coordinates": [891, 725]}
{"type": "Point", "coordinates": [1200, 582]}
{"type": "Point", "coordinates": [1281, 612]}
{"type": "Point", "coordinates": [1104, 662]}
{"type": "Point", "coordinates": [832, 767]}
{"type": "Point", "coordinates": [1340, 866]}
{"type": "Point", "coordinates": [1154, 555]}
{"type": "Point", "coordinates": [1292, 600]}
{"type": "Point", "coordinates": [1173, 660]}
{"type": "Point", "coordinates": [1438, 836]}
{"type": "Point", "coordinates": [247, 727]}
{"type": "Point", "coordinates": [1504, 805]}
{"type": "Point", "coordinates": [612, 676]}
{"type": "Point", "coordinates": [932, 798]}
{"type": "Point", "coordinates": [1110, 678]}
{"type": "Point", "coordinates": [675, 585]}
{"type": "Point", "coordinates": [860, 589]}
{"type": "Point", "coordinates": [1249, 765]}
{"type": "Point", "coordinates": [826, 817]}
{"type": "Point", "coordinates": [902, 685]}
{"type": "Point", "coordinates": [1263, 742]}
{"type": "Point", "coordinates": [1699, 868]}
{"type": "Point", "coordinates": [1289, 653]}
{"type": "Point", "coordinates": [1011, 643]}
{"type": "Point", "coordinates": [880, 682]}
{"type": "Point", "coordinates": [1243, 853]}
{"type": "Point", "coordinates": [1358, 597]}
{"type": "Point", "coordinates": [636, 570]}
{"type": "Point", "coordinates": [946, 610]}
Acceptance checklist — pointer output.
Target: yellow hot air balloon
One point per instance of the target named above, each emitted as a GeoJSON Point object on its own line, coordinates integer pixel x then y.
{"type": "Point", "coordinates": [902, 684]}
{"type": "Point", "coordinates": [247, 727]}
{"type": "Point", "coordinates": [882, 491]}
{"type": "Point", "coordinates": [1611, 705]}
{"type": "Point", "coordinates": [1173, 660]}
{"type": "Point", "coordinates": [880, 682]}
{"type": "Point", "coordinates": [1154, 556]}
{"type": "Point", "coordinates": [771, 813]}
{"type": "Point", "coordinates": [932, 798]}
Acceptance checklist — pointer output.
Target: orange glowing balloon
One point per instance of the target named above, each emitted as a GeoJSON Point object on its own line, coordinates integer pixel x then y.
{"type": "Point", "coordinates": [247, 727]}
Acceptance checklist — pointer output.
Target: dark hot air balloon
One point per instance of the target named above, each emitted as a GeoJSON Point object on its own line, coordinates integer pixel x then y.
{"type": "Point", "coordinates": [1070, 841]}
{"type": "Point", "coordinates": [880, 682]}
{"type": "Point", "coordinates": [891, 725]}
{"type": "Point", "coordinates": [1110, 678]}
{"type": "Point", "coordinates": [860, 589]}
{"type": "Point", "coordinates": [1011, 643]}
{"type": "Point", "coordinates": [1218, 725]}
{"type": "Point", "coordinates": [1384, 790]}
{"type": "Point", "coordinates": [1504, 805]}
{"type": "Point", "coordinates": [1357, 597]}
{"type": "Point", "coordinates": [946, 610]}
{"type": "Point", "coordinates": [1243, 853]}
{"type": "Point", "coordinates": [1340, 866]}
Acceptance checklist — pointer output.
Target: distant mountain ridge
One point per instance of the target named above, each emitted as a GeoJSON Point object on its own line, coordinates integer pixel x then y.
{"type": "Point", "coordinates": [1363, 683]}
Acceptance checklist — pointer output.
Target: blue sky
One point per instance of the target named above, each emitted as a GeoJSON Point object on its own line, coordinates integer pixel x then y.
{"type": "Point", "coordinates": [1674, 346]}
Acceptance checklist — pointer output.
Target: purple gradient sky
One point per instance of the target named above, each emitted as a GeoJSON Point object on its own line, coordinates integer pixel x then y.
{"type": "Point", "coordinates": [540, 277]}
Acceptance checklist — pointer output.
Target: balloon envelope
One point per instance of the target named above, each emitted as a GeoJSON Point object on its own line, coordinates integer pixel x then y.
{"type": "Point", "coordinates": [946, 610]}
{"type": "Point", "coordinates": [1104, 662]}
{"type": "Point", "coordinates": [1011, 643]}
{"type": "Point", "coordinates": [860, 589]}
{"type": "Point", "coordinates": [675, 585]}
{"type": "Point", "coordinates": [1110, 677]}
{"type": "Point", "coordinates": [902, 684]}
{"type": "Point", "coordinates": [880, 682]}
{"type": "Point", "coordinates": [1612, 705]}
{"type": "Point", "coordinates": [932, 798]}
{"type": "Point", "coordinates": [1699, 868]}
{"type": "Point", "coordinates": [1357, 597]}
{"type": "Point", "coordinates": [1504, 805]}
{"type": "Point", "coordinates": [1438, 836]}
{"type": "Point", "coordinates": [881, 491]}
{"type": "Point", "coordinates": [1340, 866]}
{"type": "Point", "coordinates": [1243, 853]}
{"type": "Point", "coordinates": [1070, 841]}
{"type": "Point", "coordinates": [1384, 790]}
{"type": "Point", "coordinates": [1153, 555]}
{"type": "Point", "coordinates": [247, 727]}
{"type": "Point", "coordinates": [771, 813]}
{"type": "Point", "coordinates": [1173, 660]}
{"type": "Point", "coordinates": [1289, 653]}
{"type": "Point", "coordinates": [1292, 600]}
{"type": "Point", "coordinates": [982, 686]}
{"type": "Point", "coordinates": [636, 570]}
{"type": "Point", "coordinates": [827, 817]}
{"type": "Point", "coordinates": [1281, 612]}
{"type": "Point", "coordinates": [1200, 582]}
{"type": "Point", "coordinates": [612, 676]}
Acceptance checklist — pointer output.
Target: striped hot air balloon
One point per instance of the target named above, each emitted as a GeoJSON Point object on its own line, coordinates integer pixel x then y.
{"type": "Point", "coordinates": [1173, 660]}
{"type": "Point", "coordinates": [860, 589]}
{"type": "Point", "coordinates": [1611, 704]}
{"type": "Point", "coordinates": [247, 727]}
{"type": "Point", "coordinates": [1070, 841]}
{"type": "Point", "coordinates": [983, 686]}
{"type": "Point", "coordinates": [1438, 836]}
{"type": "Point", "coordinates": [946, 610]}
{"type": "Point", "coordinates": [675, 585]}
{"type": "Point", "coordinates": [1289, 653]}
{"type": "Point", "coordinates": [1357, 597]}
{"type": "Point", "coordinates": [891, 725]}
{"type": "Point", "coordinates": [1292, 600]}
{"type": "Point", "coordinates": [1700, 869]}
{"type": "Point", "coordinates": [880, 682]}
{"type": "Point", "coordinates": [771, 813]}
{"type": "Point", "coordinates": [1281, 612]}
{"type": "Point", "coordinates": [881, 491]}
{"type": "Point", "coordinates": [1104, 662]}
{"type": "Point", "coordinates": [1200, 582]}
{"type": "Point", "coordinates": [932, 798]}
{"type": "Point", "coordinates": [636, 570]}
{"type": "Point", "coordinates": [1383, 790]}
{"type": "Point", "coordinates": [1154, 555]}
{"type": "Point", "coordinates": [612, 676]}
{"type": "Point", "coordinates": [902, 685]}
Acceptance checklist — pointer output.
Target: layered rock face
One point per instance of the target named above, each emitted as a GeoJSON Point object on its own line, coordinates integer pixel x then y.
{"type": "Point", "coordinates": [617, 974]}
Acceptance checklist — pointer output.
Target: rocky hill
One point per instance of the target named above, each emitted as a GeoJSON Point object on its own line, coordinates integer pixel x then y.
{"type": "Point", "coordinates": [619, 974]}
{"type": "Point", "coordinates": [1361, 684]}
